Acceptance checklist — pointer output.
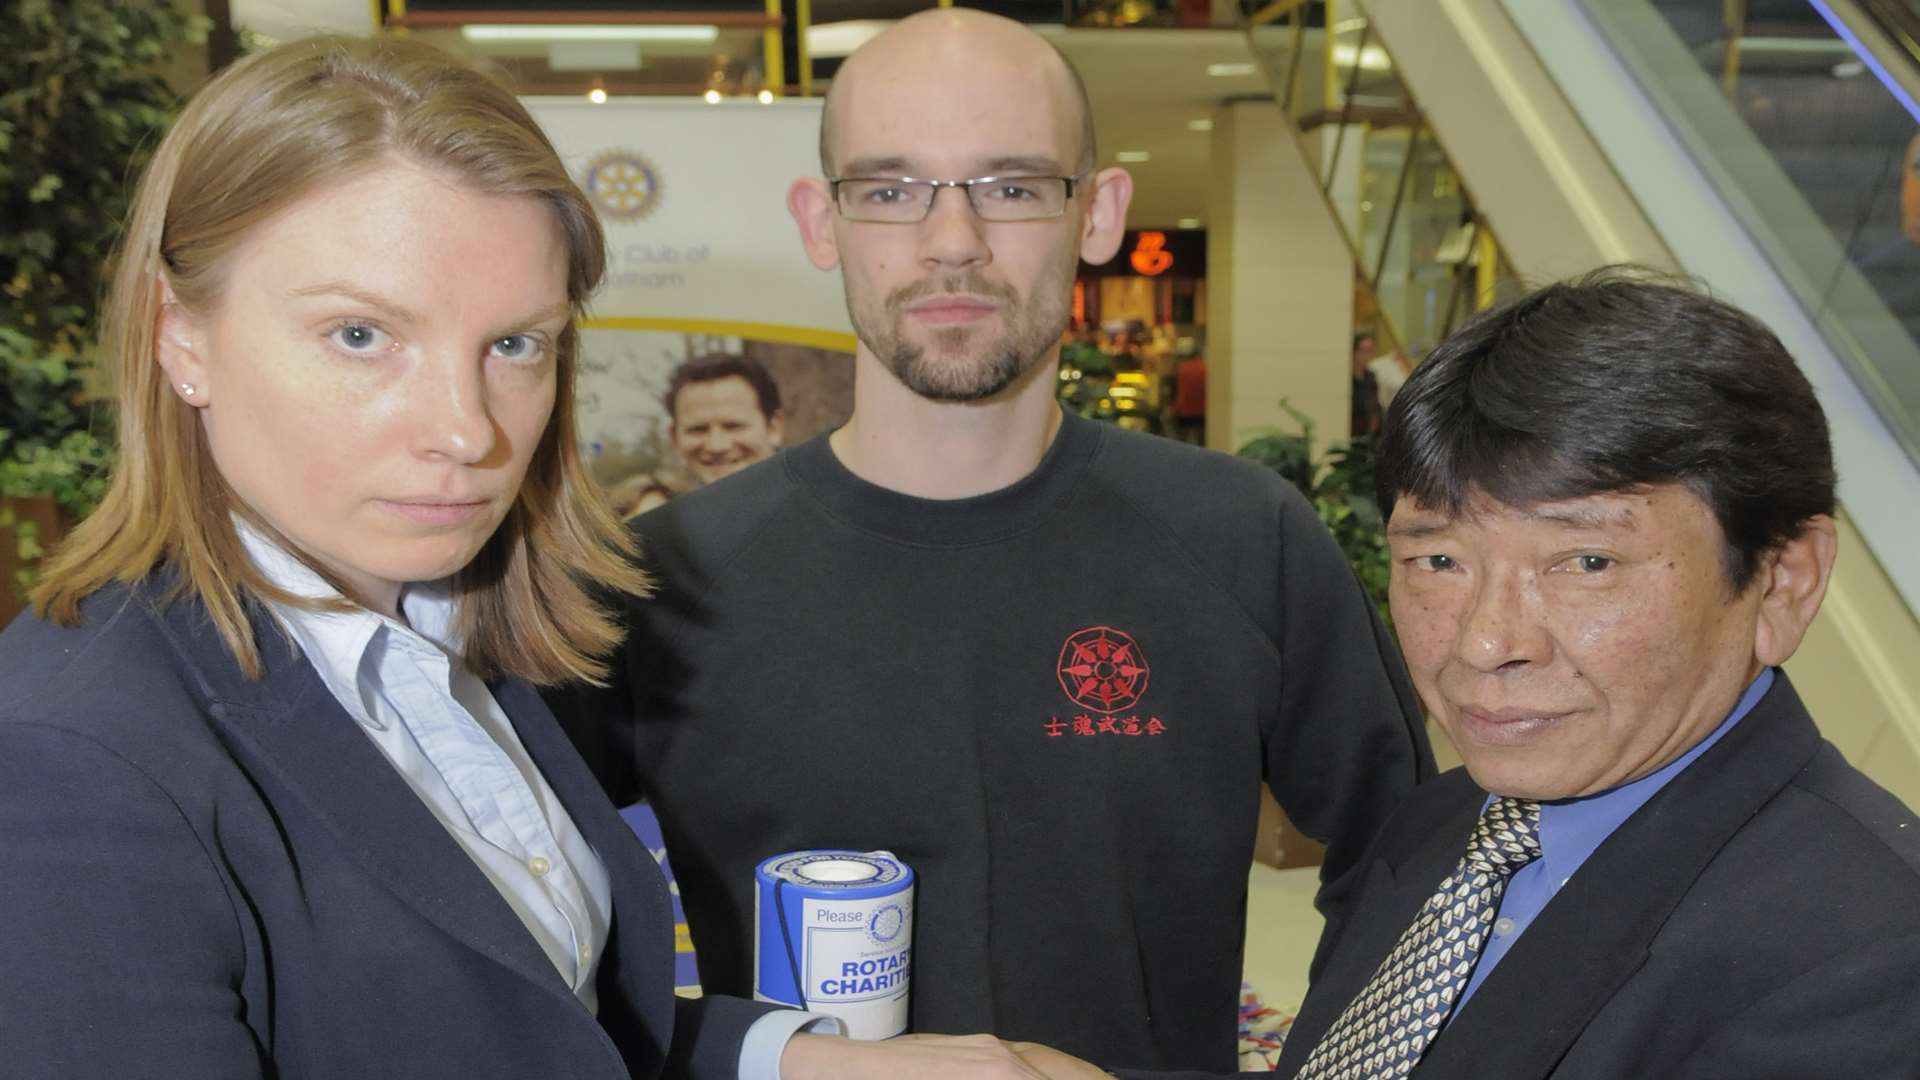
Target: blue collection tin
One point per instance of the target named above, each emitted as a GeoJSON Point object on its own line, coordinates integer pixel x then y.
{"type": "Point", "coordinates": [835, 936]}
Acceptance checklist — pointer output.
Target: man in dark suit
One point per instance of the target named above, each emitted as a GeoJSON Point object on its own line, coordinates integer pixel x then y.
{"type": "Point", "coordinates": [1610, 513]}
{"type": "Point", "coordinates": [1610, 518]}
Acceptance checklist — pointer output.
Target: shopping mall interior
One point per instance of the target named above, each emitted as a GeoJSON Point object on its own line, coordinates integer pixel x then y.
{"type": "Point", "coordinates": [1324, 190]}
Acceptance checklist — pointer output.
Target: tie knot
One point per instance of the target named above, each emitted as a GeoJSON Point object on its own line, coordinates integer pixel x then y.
{"type": "Point", "coordinates": [1507, 837]}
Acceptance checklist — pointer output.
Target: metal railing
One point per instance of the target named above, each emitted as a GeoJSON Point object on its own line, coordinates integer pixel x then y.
{"type": "Point", "coordinates": [1425, 257]}
{"type": "Point", "coordinates": [1807, 123]}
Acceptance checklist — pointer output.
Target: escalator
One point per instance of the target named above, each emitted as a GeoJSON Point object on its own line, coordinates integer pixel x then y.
{"type": "Point", "coordinates": [1842, 139]}
{"type": "Point", "coordinates": [1771, 143]}
{"type": "Point", "coordinates": [1813, 118]}
{"type": "Point", "coordinates": [1767, 147]}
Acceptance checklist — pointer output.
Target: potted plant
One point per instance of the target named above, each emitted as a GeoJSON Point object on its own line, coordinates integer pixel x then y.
{"type": "Point", "coordinates": [84, 99]}
{"type": "Point", "coordinates": [1340, 486]}
{"type": "Point", "coordinates": [52, 463]}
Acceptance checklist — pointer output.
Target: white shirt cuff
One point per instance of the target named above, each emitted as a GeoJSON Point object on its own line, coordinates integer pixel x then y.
{"type": "Point", "coordinates": [767, 1039]}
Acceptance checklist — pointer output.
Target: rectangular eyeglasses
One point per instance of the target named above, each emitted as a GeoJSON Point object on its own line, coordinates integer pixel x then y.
{"type": "Point", "coordinates": [902, 200]}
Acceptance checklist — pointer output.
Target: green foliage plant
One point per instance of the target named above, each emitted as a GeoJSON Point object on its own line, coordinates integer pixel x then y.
{"type": "Point", "coordinates": [82, 102]}
{"type": "Point", "coordinates": [1085, 375]}
{"type": "Point", "coordinates": [1340, 486]}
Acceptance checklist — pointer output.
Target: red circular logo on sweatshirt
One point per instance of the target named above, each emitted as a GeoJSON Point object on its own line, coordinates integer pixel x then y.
{"type": "Point", "coordinates": [1103, 669]}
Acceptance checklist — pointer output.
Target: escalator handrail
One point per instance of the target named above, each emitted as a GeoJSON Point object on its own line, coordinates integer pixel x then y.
{"type": "Point", "coordinates": [1885, 35]}
{"type": "Point", "coordinates": [1900, 22]}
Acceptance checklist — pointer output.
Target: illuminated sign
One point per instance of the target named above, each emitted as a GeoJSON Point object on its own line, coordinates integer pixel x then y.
{"type": "Point", "coordinates": [1158, 253]}
{"type": "Point", "coordinates": [1150, 255]}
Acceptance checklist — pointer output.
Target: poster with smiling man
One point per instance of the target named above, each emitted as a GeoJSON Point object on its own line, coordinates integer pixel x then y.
{"type": "Point", "coordinates": [712, 342]}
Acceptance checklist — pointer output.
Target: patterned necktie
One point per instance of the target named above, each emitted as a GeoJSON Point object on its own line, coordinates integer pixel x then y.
{"type": "Point", "coordinates": [1389, 1025]}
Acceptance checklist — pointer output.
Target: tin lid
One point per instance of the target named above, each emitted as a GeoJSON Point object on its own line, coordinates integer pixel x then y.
{"type": "Point", "coordinates": [850, 873]}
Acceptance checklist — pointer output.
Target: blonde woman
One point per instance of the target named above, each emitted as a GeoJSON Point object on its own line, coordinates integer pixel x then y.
{"type": "Point", "coordinates": [276, 795]}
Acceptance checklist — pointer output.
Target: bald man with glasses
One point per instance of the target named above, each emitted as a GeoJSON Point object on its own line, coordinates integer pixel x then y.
{"type": "Point", "coordinates": [1045, 661]}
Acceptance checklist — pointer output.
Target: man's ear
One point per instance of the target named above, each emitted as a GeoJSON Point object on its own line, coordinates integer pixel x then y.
{"type": "Point", "coordinates": [777, 428]}
{"type": "Point", "coordinates": [1793, 578]}
{"type": "Point", "coordinates": [810, 202]}
{"type": "Point", "coordinates": [1105, 225]}
{"type": "Point", "coordinates": [179, 347]}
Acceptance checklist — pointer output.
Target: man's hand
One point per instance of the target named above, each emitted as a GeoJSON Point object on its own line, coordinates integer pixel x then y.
{"type": "Point", "coordinates": [924, 1057]}
{"type": "Point", "coordinates": [1055, 1065]}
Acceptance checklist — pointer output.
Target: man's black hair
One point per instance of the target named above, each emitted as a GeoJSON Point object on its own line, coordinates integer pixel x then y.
{"type": "Point", "coordinates": [1617, 381]}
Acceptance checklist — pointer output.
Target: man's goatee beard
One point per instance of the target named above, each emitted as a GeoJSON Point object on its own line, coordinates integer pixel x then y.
{"type": "Point", "coordinates": [954, 367]}
{"type": "Point", "coordinates": [993, 373]}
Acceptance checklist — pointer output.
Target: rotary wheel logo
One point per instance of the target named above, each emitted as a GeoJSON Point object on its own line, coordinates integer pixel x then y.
{"type": "Point", "coordinates": [1103, 669]}
{"type": "Point", "coordinates": [624, 185]}
{"type": "Point", "coordinates": [886, 924]}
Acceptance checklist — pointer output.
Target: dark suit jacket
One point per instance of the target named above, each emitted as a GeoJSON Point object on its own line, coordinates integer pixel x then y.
{"type": "Point", "coordinates": [1757, 919]}
{"type": "Point", "coordinates": [209, 877]}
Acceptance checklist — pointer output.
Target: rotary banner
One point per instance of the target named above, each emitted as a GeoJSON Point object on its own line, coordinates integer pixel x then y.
{"type": "Point", "coordinates": [713, 341]}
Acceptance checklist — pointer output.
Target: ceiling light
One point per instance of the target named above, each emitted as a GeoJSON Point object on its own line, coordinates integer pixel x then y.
{"type": "Point", "coordinates": [597, 96]}
{"type": "Point", "coordinates": [1230, 71]}
{"type": "Point", "coordinates": [1793, 45]}
{"type": "Point", "coordinates": [827, 41]}
{"type": "Point", "coordinates": [1199, 125]}
{"type": "Point", "coordinates": [712, 96]}
{"type": "Point", "coordinates": [1372, 58]}
{"type": "Point", "coordinates": [593, 55]}
{"type": "Point", "coordinates": [1132, 157]}
{"type": "Point", "coordinates": [497, 32]}
{"type": "Point", "coordinates": [1187, 223]}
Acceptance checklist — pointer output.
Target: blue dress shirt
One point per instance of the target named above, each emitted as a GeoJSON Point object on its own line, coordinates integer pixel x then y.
{"type": "Point", "coordinates": [1572, 830]}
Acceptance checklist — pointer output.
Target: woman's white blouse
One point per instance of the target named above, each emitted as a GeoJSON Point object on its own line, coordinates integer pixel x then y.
{"type": "Point", "coordinates": [443, 731]}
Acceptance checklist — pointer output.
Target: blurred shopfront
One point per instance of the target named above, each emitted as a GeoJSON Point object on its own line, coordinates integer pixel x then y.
{"type": "Point", "coordinates": [1136, 318]}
